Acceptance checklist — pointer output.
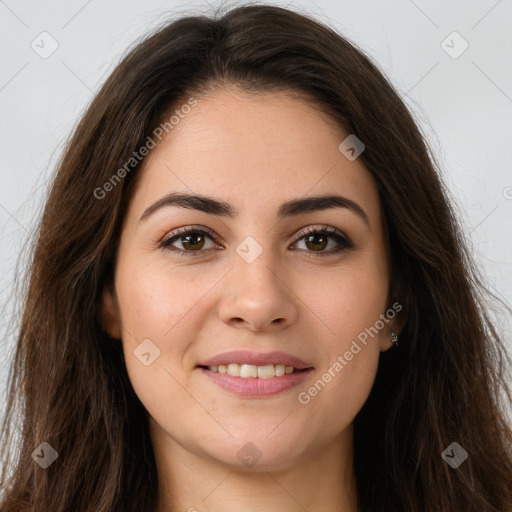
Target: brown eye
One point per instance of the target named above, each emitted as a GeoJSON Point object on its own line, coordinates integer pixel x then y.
{"type": "Point", "coordinates": [316, 240]}
{"type": "Point", "coordinates": [192, 240]}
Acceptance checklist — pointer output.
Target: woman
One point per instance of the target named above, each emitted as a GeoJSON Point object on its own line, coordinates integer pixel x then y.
{"type": "Point", "coordinates": [249, 291]}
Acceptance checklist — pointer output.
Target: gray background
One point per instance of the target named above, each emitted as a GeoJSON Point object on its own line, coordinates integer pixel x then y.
{"type": "Point", "coordinates": [463, 105]}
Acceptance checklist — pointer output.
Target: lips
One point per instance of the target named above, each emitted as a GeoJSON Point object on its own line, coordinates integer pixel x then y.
{"type": "Point", "coordinates": [252, 358]}
{"type": "Point", "coordinates": [256, 387]}
{"type": "Point", "coordinates": [289, 372]}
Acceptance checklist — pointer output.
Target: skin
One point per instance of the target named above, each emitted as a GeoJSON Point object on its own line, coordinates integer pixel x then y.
{"type": "Point", "coordinates": [254, 152]}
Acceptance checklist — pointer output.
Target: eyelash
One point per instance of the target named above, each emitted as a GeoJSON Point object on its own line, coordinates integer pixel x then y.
{"type": "Point", "coordinates": [338, 236]}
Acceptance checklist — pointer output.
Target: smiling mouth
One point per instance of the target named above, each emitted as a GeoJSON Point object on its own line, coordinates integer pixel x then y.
{"type": "Point", "coordinates": [246, 371]}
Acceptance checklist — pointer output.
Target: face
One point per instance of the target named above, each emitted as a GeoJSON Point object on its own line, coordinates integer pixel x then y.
{"type": "Point", "coordinates": [259, 281]}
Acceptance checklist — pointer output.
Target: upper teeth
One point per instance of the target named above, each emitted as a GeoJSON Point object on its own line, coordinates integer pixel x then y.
{"type": "Point", "coordinates": [250, 370]}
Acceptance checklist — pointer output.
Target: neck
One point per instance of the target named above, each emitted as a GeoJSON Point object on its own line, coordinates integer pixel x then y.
{"type": "Point", "coordinates": [322, 481]}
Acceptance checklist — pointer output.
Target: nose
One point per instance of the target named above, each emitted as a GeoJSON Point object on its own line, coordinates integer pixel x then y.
{"type": "Point", "coordinates": [256, 296]}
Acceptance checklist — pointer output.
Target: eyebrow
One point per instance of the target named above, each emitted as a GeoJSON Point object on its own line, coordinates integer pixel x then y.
{"type": "Point", "coordinates": [288, 209]}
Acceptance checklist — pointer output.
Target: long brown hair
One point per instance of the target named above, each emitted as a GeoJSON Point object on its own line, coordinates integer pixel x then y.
{"type": "Point", "coordinates": [445, 382]}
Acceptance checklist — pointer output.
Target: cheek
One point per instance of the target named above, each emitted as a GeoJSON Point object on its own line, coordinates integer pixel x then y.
{"type": "Point", "coordinates": [162, 314]}
{"type": "Point", "coordinates": [332, 401]}
{"type": "Point", "coordinates": [161, 302]}
{"type": "Point", "coordinates": [344, 302]}
{"type": "Point", "coordinates": [350, 304]}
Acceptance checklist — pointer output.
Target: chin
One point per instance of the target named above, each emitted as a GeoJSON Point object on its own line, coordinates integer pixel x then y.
{"type": "Point", "coordinates": [258, 453]}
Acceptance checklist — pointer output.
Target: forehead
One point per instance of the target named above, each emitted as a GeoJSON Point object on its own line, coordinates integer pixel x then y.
{"type": "Point", "coordinates": [255, 152]}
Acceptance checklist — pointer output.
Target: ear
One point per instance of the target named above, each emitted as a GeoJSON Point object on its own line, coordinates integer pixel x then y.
{"type": "Point", "coordinates": [109, 317]}
{"type": "Point", "coordinates": [396, 324]}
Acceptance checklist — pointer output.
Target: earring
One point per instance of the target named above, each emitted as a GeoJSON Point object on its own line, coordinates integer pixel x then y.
{"type": "Point", "coordinates": [394, 337]}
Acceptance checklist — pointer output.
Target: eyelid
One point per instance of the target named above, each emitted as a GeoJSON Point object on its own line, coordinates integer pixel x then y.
{"type": "Point", "coordinates": [343, 240]}
{"type": "Point", "coordinates": [329, 230]}
{"type": "Point", "coordinates": [177, 233]}
{"type": "Point", "coordinates": [190, 228]}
